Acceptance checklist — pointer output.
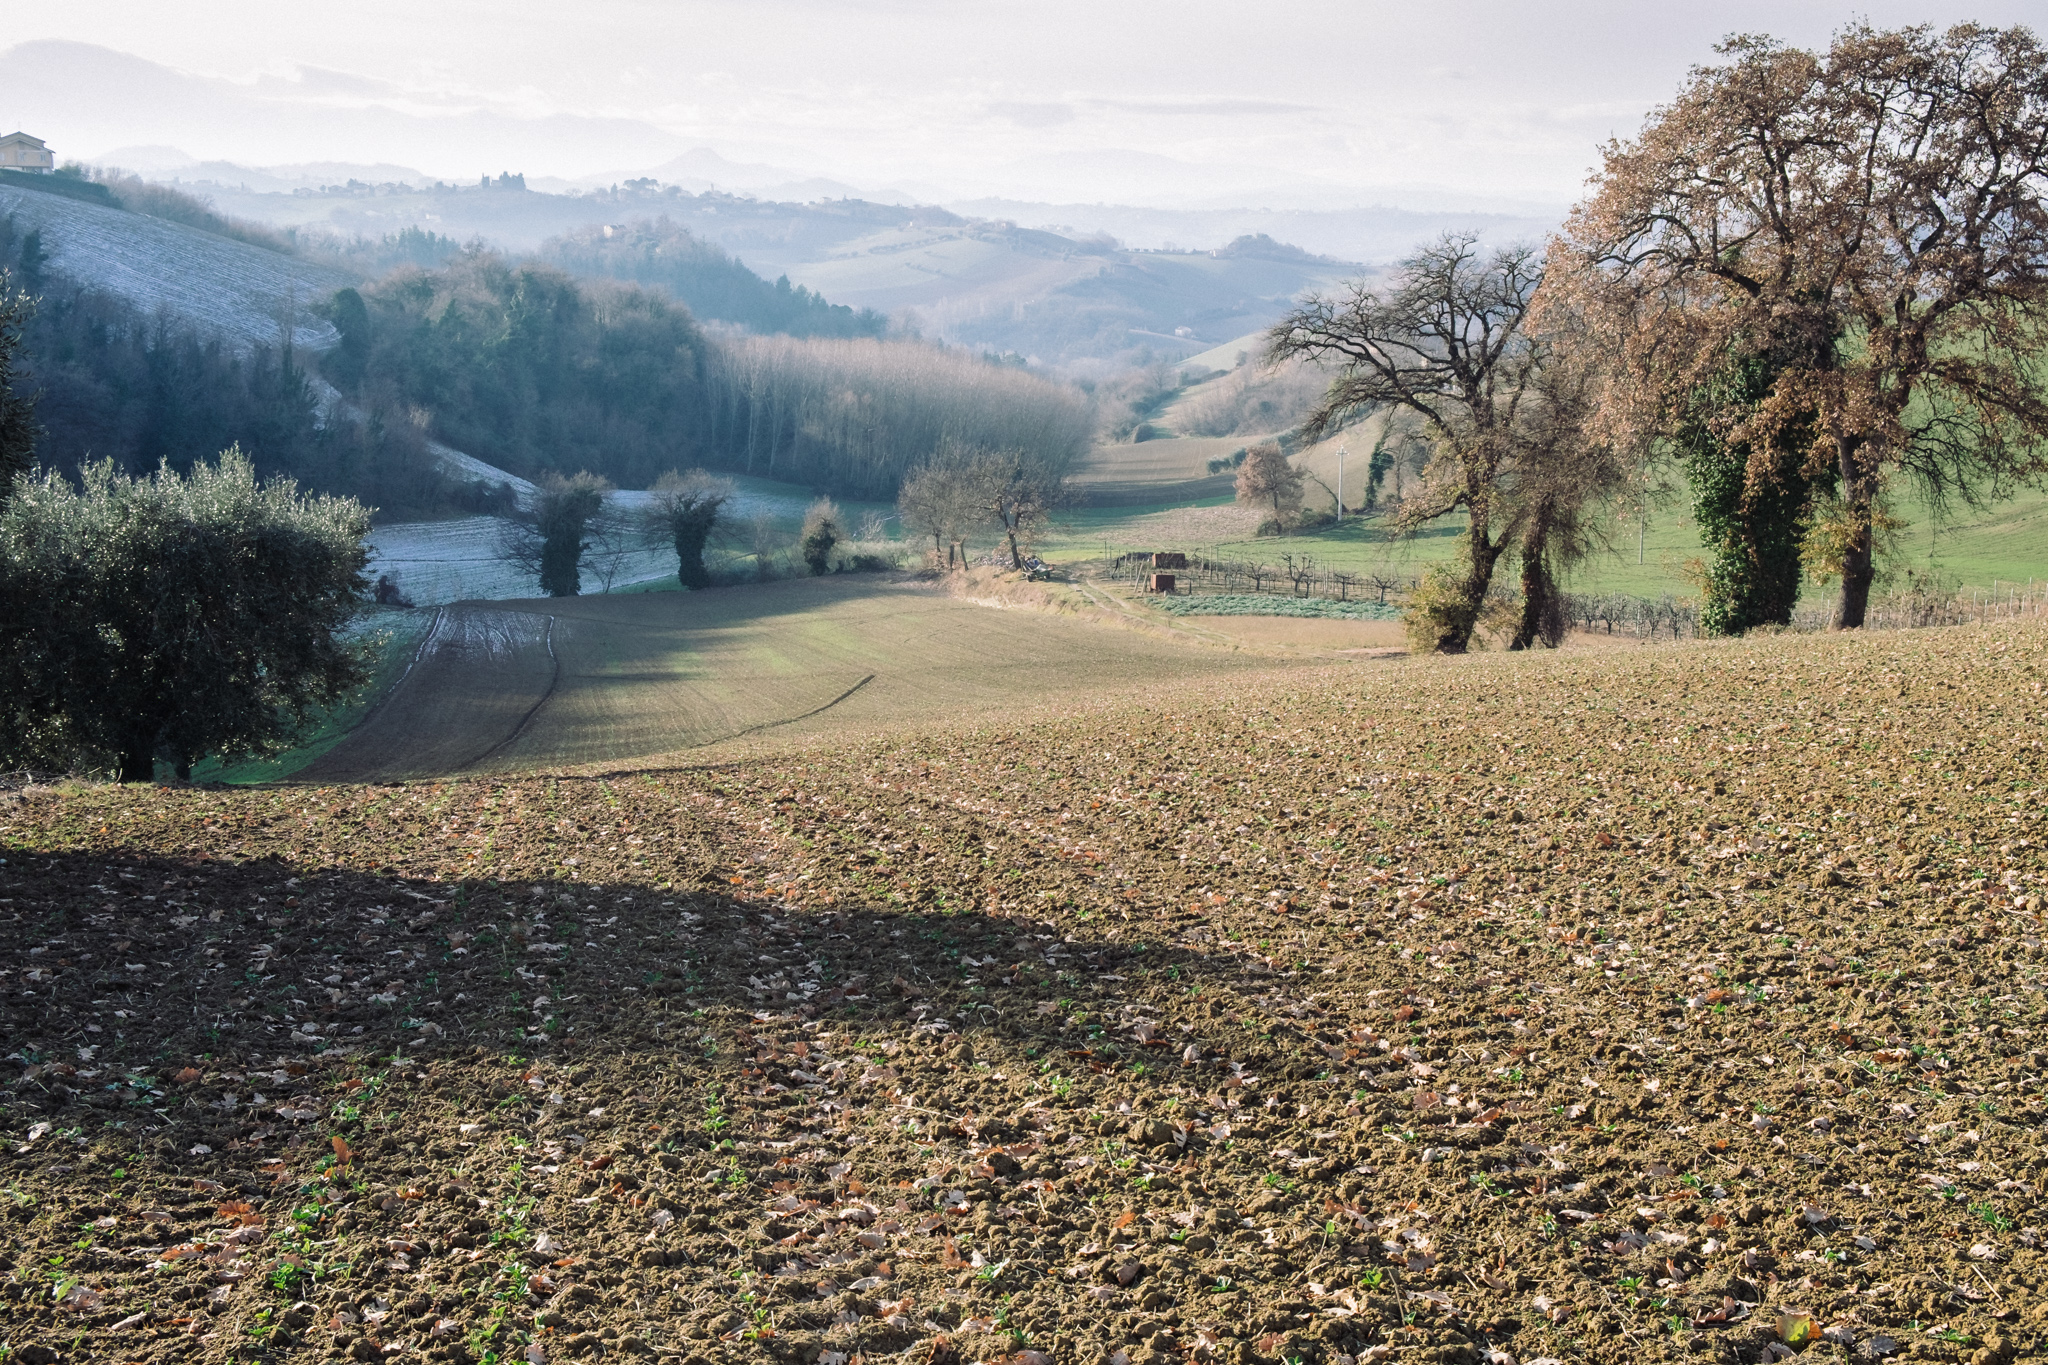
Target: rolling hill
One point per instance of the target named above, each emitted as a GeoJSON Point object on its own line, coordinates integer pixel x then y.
{"type": "Point", "coordinates": [1072, 299]}
{"type": "Point", "coordinates": [230, 288]}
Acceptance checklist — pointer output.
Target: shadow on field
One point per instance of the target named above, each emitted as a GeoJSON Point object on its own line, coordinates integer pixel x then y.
{"type": "Point", "coordinates": [689, 1113]}
{"type": "Point", "coordinates": [134, 968]}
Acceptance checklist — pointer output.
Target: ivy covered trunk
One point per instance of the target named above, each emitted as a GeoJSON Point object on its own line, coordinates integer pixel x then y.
{"type": "Point", "coordinates": [1542, 621]}
{"type": "Point", "coordinates": [1751, 505]}
{"type": "Point", "coordinates": [692, 531]}
{"type": "Point", "coordinates": [1444, 613]}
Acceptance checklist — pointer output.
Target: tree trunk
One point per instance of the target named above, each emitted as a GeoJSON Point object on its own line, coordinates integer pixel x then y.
{"type": "Point", "coordinates": [1540, 610]}
{"type": "Point", "coordinates": [1455, 634]}
{"type": "Point", "coordinates": [1859, 557]}
{"type": "Point", "coordinates": [138, 762]}
{"type": "Point", "coordinates": [1539, 592]}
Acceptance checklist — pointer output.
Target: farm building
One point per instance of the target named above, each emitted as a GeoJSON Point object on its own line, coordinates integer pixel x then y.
{"type": "Point", "coordinates": [20, 152]}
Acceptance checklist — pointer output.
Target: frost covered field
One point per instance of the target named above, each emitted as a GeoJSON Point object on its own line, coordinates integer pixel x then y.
{"type": "Point", "coordinates": [449, 561]}
{"type": "Point", "coordinates": [230, 287]}
{"type": "Point", "coordinates": [457, 561]}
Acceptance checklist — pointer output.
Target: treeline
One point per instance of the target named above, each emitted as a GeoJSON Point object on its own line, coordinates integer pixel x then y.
{"type": "Point", "coordinates": [519, 365]}
{"type": "Point", "coordinates": [663, 255]}
{"type": "Point", "coordinates": [373, 257]}
{"type": "Point", "coordinates": [537, 373]}
{"type": "Point", "coordinates": [859, 415]}
{"type": "Point", "coordinates": [139, 389]}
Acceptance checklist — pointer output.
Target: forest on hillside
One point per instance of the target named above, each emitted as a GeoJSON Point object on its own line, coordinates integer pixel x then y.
{"type": "Point", "coordinates": [112, 382]}
{"type": "Point", "coordinates": [522, 366]}
{"type": "Point", "coordinates": [662, 255]}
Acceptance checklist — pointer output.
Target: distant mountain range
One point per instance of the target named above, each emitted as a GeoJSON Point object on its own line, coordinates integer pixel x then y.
{"type": "Point", "coordinates": [1089, 287]}
{"type": "Point", "coordinates": [311, 125]}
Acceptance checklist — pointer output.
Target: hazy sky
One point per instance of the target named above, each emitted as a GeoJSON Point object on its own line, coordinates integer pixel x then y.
{"type": "Point", "coordinates": [1286, 99]}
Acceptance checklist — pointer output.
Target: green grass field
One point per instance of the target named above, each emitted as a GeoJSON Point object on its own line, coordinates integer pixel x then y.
{"type": "Point", "coordinates": [517, 686]}
{"type": "Point", "coordinates": [1273, 604]}
{"type": "Point", "coordinates": [2007, 544]}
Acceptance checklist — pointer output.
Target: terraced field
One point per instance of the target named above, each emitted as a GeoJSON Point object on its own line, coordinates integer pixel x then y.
{"type": "Point", "coordinates": [1677, 1003]}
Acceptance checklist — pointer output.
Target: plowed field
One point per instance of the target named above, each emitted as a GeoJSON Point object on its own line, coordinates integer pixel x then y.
{"type": "Point", "coordinates": [607, 680]}
{"type": "Point", "coordinates": [1661, 1004]}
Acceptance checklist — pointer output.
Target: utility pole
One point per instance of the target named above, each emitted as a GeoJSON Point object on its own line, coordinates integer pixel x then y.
{"type": "Point", "coordinates": [1340, 483]}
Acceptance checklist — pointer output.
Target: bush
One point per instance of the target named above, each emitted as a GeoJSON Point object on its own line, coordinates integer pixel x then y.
{"type": "Point", "coordinates": [865, 561]}
{"type": "Point", "coordinates": [1440, 610]}
{"type": "Point", "coordinates": [821, 532]}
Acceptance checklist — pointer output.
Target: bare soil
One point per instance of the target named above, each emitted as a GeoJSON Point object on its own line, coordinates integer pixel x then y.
{"type": "Point", "coordinates": [1618, 1006]}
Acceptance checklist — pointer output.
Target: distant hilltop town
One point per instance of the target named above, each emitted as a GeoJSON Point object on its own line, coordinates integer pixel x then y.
{"type": "Point", "coordinates": [20, 152]}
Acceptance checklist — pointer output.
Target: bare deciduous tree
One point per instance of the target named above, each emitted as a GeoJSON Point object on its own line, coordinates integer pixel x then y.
{"type": "Point", "coordinates": [764, 540]}
{"type": "Point", "coordinates": [612, 540]}
{"type": "Point", "coordinates": [860, 414]}
{"type": "Point", "coordinates": [938, 501]}
{"type": "Point", "coordinates": [1017, 495]}
{"type": "Point", "coordinates": [1447, 344]}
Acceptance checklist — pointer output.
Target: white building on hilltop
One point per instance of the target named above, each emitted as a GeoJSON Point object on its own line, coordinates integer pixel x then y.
{"type": "Point", "coordinates": [20, 152]}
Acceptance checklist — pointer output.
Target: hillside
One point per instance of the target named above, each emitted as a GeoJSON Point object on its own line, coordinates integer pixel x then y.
{"type": "Point", "coordinates": [1070, 298]}
{"type": "Point", "coordinates": [533, 685]}
{"type": "Point", "coordinates": [1066, 300]}
{"type": "Point", "coordinates": [227, 287]}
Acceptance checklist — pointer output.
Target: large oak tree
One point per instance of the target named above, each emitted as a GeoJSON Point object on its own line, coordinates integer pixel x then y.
{"type": "Point", "coordinates": [1832, 269]}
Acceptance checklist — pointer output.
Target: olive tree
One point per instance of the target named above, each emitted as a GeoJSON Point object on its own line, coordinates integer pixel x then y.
{"type": "Point", "coordinates": [168, 618]}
